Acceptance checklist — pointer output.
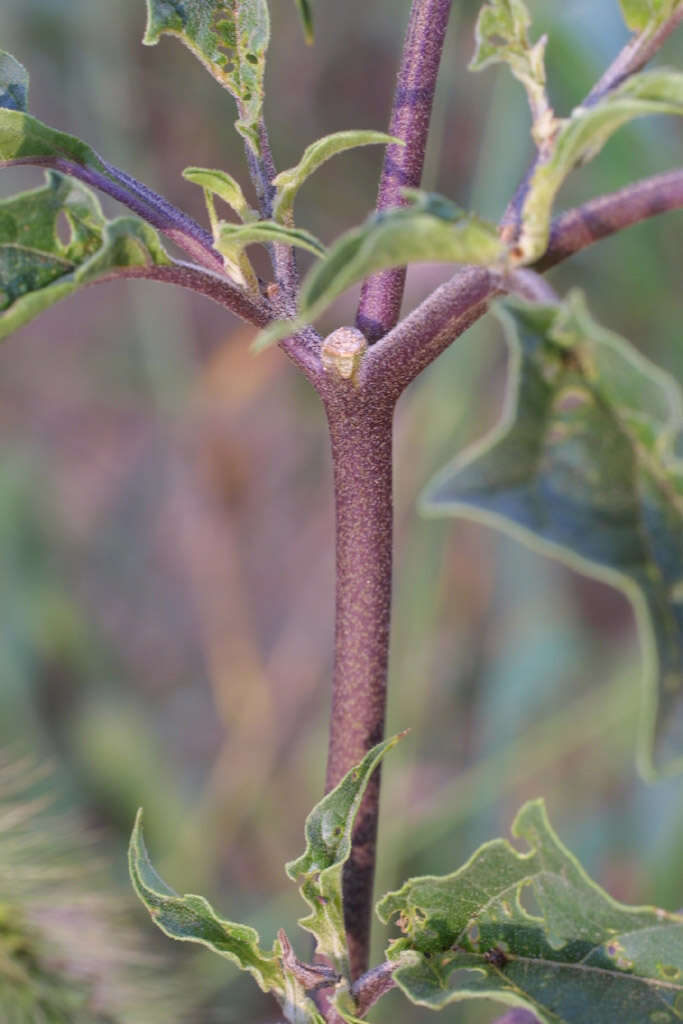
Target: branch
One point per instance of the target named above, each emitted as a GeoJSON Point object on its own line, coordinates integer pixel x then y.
{"type": "Point", "coordinates": [632, 58]}
{"type": "Point", "coordinates": [157, 211]}
{"type": "Point", "coordinates": [577, 229]}
{"type": "Point", "coordinates": [382, 294]}
{"type": "Point", "coordinates": [372, 985]}
{"type": "Point", "coordinates": [412, 345]}
{"type": "Point", "coordinates": [283, 257]}
{"type": "Point", "coordinates": [203, 282]}
{"type": "Point", "coordinates": [635, 55]}
{"type": "Point", "coordinates": [302, 348]}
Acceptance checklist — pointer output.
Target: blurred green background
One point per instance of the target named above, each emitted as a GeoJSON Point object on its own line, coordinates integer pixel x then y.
{"type": "Point", "coordinates": [166, 544]}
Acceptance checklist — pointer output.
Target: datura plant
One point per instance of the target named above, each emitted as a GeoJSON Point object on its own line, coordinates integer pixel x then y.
{"type": "Point", "coordinates": [583, 466]}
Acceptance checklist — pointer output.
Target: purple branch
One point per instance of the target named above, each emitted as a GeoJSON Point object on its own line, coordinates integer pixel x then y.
{"type": "Point", "coordinates": [518, 1017]}
{"type": "Point", "coordinates": [372, 985]}
{"type": "Point", "coordinates": [632, 58]}
{"type": "Point", "coordinates": [153, 208]}
{"type": "Point", "coordinates": [576, 229]}
{"type": "Point", "coordinates": [380, 303]}
{"type": "Point", "coordinates": [635, 55]}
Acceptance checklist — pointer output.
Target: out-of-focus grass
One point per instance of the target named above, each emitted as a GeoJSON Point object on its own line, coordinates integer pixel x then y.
{"type": "Point", "coordinates": [165, 511]}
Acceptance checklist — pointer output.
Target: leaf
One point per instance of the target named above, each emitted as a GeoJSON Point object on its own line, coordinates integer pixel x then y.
{"type": "Point", "coordinates": [502, 36]}
{"type": "Point", "coordinates": [578, 956]}
{"type": "Point", "coordinates": [37, 268]}
{"type": "Point", "coordinates": [314, 156]}
{"type": "Point", "coordinates": [642, 15]}
{"type": "Point", "coordinates": [13, 83]}
{"type": "Point", "coordinates": [328, 846]}
{"type": "Point", "coordinates": [233, 237]}
{"type": "Point", "coordinates": [230, 38]}
{"type": "Point", "coordinates": [223, 185]}
{"type": "Point", "coordinates": [582, 467]}
{"type": "Point", "coordinates": [24, 138]}
{"type": "Point", "coordinates": [581, 137]}
{"type": "Point", "coordinates": [306, 14]}
{"type": "Point", "coordinates": [192, 919]}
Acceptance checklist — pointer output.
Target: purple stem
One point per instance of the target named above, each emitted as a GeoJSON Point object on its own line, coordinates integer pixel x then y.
{"type": "Point", "coordinates": [382, 294]}
{"type": "Point", "coordinates": [360, 422]}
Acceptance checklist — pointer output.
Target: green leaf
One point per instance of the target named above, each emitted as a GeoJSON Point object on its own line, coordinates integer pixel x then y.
{"type": "Point", "coordinates": [13, 83]}
{"type": "Point", "coordinates": [192, 919]}
{"type": "Point", "coordinates": [230, 39]}
{"type": "Point", "coordinates": [582, 467]}
{"type": "Point", "coordinates": [306, 14]}
{"type": "Point", "coordinates": [231, 238]}
{"type": "Point", "coordinates": [433, 229]}
{"type": "Point", "coordinates": [642, 15]}
{"type": "Point", "coordinates": [37, 268]}
{"type": "Point", "coordinates": [328, 846]}
{"type": "Point", "coordinates": [581, 137]}
{"type": "Point", "coordinates": [24, 138]}
{"type": "Point", "coordinates": [290, 181]}
{"type": "Point", "coordinates": [502, 36]}
{"type": "Point", "coordinates": [223, 185]}
{"type": "Point", "coordinates": [575, 957]}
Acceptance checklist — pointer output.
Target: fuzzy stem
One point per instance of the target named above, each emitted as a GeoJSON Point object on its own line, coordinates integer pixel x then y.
{"type": "Point", "coordinates": [382, 294]}
{"type": "Point", "coordinates": [360, 423]}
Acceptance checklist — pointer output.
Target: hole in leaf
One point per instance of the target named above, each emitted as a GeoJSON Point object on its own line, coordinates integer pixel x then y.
{"type": "Point", "coordinates": [64, 230]}
{"type": "Point", "coordinates": [252, 58]}
{"type": "Point", "coordinates": [529, 903]}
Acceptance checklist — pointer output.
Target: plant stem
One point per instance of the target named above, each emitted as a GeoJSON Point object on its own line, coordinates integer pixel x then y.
{"type": "Point", "coordinates": [382, 294]}
{"type": "Point", "coordinates": [360, 422]}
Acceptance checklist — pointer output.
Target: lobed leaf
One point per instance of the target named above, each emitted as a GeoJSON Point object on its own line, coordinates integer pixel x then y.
{"type": "Point", "coordinates": [328, 846]}
{"type": "Point", "coordinates": [581, 137]}
{"type": "Point", "coordinates": [583, 467]}
{"type": "Point", "coordinates": [575, 956]}
{"type": "Point", "coordinates": [13, 83]}
{"type": "Point", "coordinates": [290, 181]}
{"type": "Point", "coordinates": [37, 268]}
{"type": "Point", "coordinates": [192, 919]}
{"type": "Point", "coordinates": [305, 10]}
{"type": "Point", "coordinates": [230, 38]}
{"type": "Point", "coordinates": [647, 15]}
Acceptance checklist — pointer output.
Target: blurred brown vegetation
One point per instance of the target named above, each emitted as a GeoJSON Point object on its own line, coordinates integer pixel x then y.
{"type": "Point", "coordinates": [166, 560]}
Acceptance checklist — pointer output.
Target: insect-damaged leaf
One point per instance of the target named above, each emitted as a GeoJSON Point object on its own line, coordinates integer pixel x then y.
{"type": "Point", "coordinates": [583, 467]}
{"type": "Point", "coordinates": [328, 846]}
{"type": "Point", "coordinates": [641, 15]}
{"type": "Point", "coordinates": [13, 83]}
{"type": "Point", "coordinates": [576, 956]}
{"type": "Point", "coordinates": [314, 156]}
{"type": "Point", "coordinates": [230, 38]}
{"type": "Point", "coordinates": [37, 268]}
{"type": "Point", "coordinates": [581, 137]}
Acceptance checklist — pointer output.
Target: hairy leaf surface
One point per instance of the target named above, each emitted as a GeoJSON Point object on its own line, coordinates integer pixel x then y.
{"type": "Point", "coordinates": [37, 268]}
{"type": "Point", "coordinates": [581, 137]}
{"type": "Point", "coordinates": [314, 156]}
{"type": "Point", "coordinates": [13, 83]}
{"type": "Point", "coordinates": [575, 956]}
{"type": "Point", "coordinates": [328, 846]}
{"type": "Point", "coordinates": [192, 919]}
{"type": "Point", "coordinates": [642, 15]}
{"type": "Point", "coordinates": [230, 38]}
{"type": "Point", "coordinates": [583, 467]}
{"type": "Point", "coordinates": [230, 237]}
{"type": "Point", "coordinates": [223, 185]}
